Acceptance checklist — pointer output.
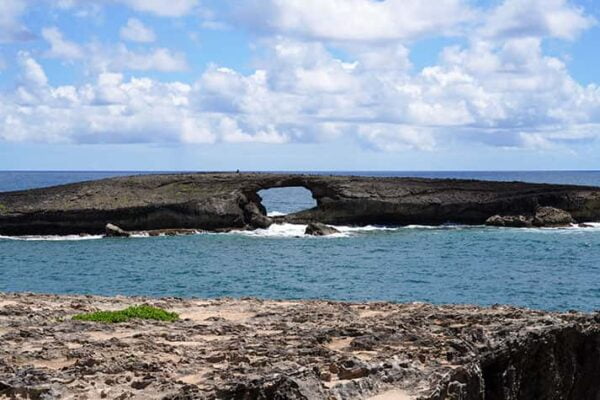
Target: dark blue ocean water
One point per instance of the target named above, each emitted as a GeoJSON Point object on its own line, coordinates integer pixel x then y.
{"type": "Point", "coordinates": [555, 269]}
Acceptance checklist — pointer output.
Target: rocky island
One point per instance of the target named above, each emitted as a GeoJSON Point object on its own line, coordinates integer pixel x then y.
{"type": "Point", "coordinates": [226, 201]}
{"type": "Point", "coordinates": [310, 350]}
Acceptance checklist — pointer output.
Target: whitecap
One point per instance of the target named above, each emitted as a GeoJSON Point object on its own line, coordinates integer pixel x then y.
{"type": "Point", "coordinates": [276, 214]}
{"type": "Point", "coordinates": [287, 230]}
{"type": "Point", "coordinates": [443, 226]}
{"type": "Point", "coordinates": [52, 237]}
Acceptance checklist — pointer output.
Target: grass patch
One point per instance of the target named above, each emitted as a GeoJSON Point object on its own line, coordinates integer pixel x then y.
{"type": "Point", "coordinates": [133, 312]}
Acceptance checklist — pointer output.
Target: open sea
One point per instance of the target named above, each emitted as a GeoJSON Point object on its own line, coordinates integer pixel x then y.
{"type": "Point", "coordinates": [550, 269]}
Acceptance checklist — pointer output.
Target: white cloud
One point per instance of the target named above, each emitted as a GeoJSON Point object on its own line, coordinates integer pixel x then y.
{"type": "Point", "coordinates": [136, 31]}
{"type": "Point", "coordinates": [59, 47]}
{"type": "Point", "coordinates": [393, 137]}
{"type": "Point", "coordinates": [82, 8]}
{"type": "Point", "coordinates": [11, 28]}
{"type": "Point", "coordinates": [121, 58]}
{"type": "Point", "coordinates": [210, 21]}
{"type": "Point", "coordinates": [102, 58]}
{"type": "Point", "coordinates": [356, 20]}
{"type": "Point", "coordinates": [163, 8]}
{"type": "Point", "coordinates": [33, 73]}
{"type": "Point", "coordinates": [536, 18]}
{"type": "Point", "coordinates": [498, 88]}
{"type": "Point", "coordinates": [114, 110]}
{"type": "Point", "coordinates": [109, 110]}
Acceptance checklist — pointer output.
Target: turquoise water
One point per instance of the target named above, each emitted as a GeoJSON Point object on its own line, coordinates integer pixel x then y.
{"type": "Point", "coordinates": [554, 269]}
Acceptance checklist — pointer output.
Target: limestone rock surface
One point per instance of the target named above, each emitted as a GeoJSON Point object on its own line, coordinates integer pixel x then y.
{"type": "Point", "coordinates": [317, 350]}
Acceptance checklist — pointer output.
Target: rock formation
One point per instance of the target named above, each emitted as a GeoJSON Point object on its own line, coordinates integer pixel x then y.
{"type": "Point", "coordinates": [552, 217]}
{"type": "Point", "coordinates": [215, 202]}
{"type": "Point", "coordinates": [543, 217]}
{"type": "Point", "coordinates": [310, 350]}
{"type": "Point", "coordinates": [318, 229]}
{"type": "Point", "coordinates": [114, 231]}
{"type": "Point", "coordinates": [510, 221]}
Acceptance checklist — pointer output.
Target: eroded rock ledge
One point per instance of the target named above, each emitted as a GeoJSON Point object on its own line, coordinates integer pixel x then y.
{"type": "Point", "coordinates": [253, 349]}
{"type": "Point", "coordinates": [213, 201]}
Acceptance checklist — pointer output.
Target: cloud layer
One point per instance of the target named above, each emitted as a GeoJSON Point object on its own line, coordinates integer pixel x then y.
{"type": "Point", "coordinates": [324, 70]}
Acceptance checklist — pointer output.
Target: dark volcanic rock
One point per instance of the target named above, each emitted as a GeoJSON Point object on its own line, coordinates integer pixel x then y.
{"type": "Point", "coordinates": [256, 217]}
{"type": "Point", "coordinates": [512, 221]}
{"type": "Point", "coordinates": [552, 217]}
{"type": "Point", "coordinates": [318, 229]}
{"type": "Point", "coordinates": [218, 202]}
{"type": "Point", "coordinates": [114, 231]}
{"type": "Point", "coordinates": [544, 217]}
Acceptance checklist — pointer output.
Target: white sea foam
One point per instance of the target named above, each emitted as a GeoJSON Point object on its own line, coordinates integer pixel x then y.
{"type": "Point", "coordinates": [276, 214]}
{"type": "Point", "coordinates": [442, 227]}
{"type": "Point", "coordinates": [52, 237]}
{"type": "Point", "coordinates": [297, 230]}
{"type": "Point", "coordinates": [592, 225]}
{"type": "Point", "coordinates": [585, 227]}
{"type": "Point", "coordinates": [59, 238]}
{"type": "Point", "coordinates": [420, 227]}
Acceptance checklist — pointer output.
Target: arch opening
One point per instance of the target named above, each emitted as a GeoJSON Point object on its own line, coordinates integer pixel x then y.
{"type": "Point", "coordinates": [286, 200]}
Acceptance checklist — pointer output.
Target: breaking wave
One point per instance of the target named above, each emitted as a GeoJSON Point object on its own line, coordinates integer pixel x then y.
{"type": "Point", "coordinates": [57, 238]}
{"type": "Point", "coordinates": [297, 230]}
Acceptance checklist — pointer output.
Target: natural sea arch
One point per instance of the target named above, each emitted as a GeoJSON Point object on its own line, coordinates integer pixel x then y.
{"type": "Point", "coordinates": [287, 200]}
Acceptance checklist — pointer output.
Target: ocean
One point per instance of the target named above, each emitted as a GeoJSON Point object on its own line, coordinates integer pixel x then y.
{"type": "Point", "coordinates": [549, 269]}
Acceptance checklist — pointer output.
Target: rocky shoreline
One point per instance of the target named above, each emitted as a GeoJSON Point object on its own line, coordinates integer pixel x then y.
{"type": "Point", "coordinates": [258, 349]}
{"type": "Point", "coordinates": [183, 203]}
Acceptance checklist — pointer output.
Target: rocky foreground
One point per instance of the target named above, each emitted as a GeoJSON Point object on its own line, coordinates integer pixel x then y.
{"type": "Point", "coordinates": [225, 201]}
{"type": "Point", "coordinates": [253, 349]}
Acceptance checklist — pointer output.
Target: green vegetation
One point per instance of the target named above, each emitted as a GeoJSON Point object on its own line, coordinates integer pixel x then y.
{"type": "Point", "coordinates": [3, 208]}
{"type": "Point", "coordinates": [139, 312]}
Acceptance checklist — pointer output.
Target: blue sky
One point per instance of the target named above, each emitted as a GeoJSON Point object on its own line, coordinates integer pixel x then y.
{"type": "Point", "coordinates": [299, 84]}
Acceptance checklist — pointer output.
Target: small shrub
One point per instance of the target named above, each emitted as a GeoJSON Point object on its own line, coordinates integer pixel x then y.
{"type": "Point", "coordinates": [133, 312]}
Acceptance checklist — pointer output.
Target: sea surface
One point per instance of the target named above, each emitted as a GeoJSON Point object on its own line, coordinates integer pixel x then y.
{"type": "Point", "coordinates": [551, 269]}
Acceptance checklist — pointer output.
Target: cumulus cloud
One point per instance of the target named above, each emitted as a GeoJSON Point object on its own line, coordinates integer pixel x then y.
{"type": "Point", "coordinates": [536, 18]}
{"type": "Point", "coordinates": [115, 110]}
{"type": "Point", "coordinates": [171, 8]}
{"type": "Point", "coordinates": [355, 20]}
{"type": "Point", "coordinates": [100, 57]}
{"type": "Point", "coordinates": [11, 28]}
{"type": "Point", "coordinates": [326, 75]}
{"type": "Point", "coordinates": [161, 8]}
{"type": "Point", "coordinates": [108, 110]}
{"type": "Point", "coordinates": [59, 47]}
{"type": "Point", "coordinates": [121, 58]}
{"type": "Point", "coordinates": [136, 31]}
{"type": "Point", "coordinates": [33, 74]}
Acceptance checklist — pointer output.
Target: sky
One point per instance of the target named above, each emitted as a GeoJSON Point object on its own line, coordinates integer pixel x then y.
{"type": "Point", "coordinates": [299, 84]}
